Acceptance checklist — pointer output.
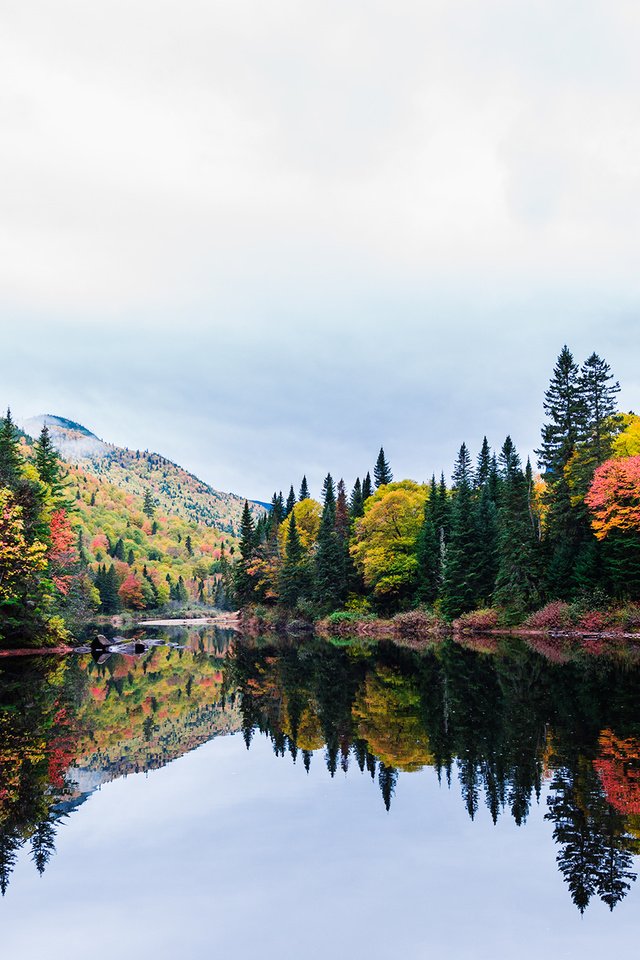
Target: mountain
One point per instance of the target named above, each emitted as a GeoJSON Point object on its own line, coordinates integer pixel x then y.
{"type": "Point", "coordinates": [175, 491]}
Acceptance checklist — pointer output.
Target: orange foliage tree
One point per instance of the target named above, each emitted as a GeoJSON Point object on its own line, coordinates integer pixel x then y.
{"type": "Point", "coordinates": [614, 497]}
{"type": "Point", "coordinates": [131, 593]}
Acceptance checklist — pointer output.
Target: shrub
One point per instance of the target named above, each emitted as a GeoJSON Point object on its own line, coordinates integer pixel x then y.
{"type": "Point", "coordinates": [478, 620]}
{"type": "Point", "coordinates": [417, 624]}
{"type": "Point", "coordinates": [555, 616]}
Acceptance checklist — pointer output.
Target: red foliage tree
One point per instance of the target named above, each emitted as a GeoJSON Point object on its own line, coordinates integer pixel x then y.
{"type": "Point", "coordinates": [131, 593]}
{"type": "Point", "coordinates": [62, 552]}
{"type": "Point", "coordinates": [614, 497]}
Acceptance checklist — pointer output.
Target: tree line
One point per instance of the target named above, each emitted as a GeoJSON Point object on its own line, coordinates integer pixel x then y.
{"type": "Point", "coordinates": [499, 534]}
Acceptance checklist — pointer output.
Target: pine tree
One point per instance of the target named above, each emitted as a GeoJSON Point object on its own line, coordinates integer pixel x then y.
{"type": "Point", "coordinates": [43, 844]}
{"type": "Point", "coordinates": [461, 574]}
{"type": "Point", "coordinates": [148, 507]}
{"type": "Point", "coordinates": [329, 494]}
{"type": "Point", "coordinates": [328, 585]}
{"type": "Point", "coordinates": [248, 544]}
{"type": "Point", "coordinates": [356, 503]}
{"type": "Point", "coordinates": [367, 488]}
{"type": "Point", "coordinates": [304, 490]}
{"type": "Point", "coordinates": [483, 467]}
{"type": "Point", "coordinates": [47, 459]}
{"type": "Point", "coordinates": [10, 459]}
{"type": "Point", "coordinates": [293, 575]}
{"type": "Point", "coordinates": [564, 406]}
{"type": "Point", "coordinates": [599, 404]}
{"type": "Point", "coordinates": [428, 550]}
{"type": "Point", "coordinates": [291, 501]}
{"type": "Point", "coordinates": [567, 532]}
{"type": "Point", "coordinates": [517, 580]}
{"type": "Point", "coordinates": [382, 471]}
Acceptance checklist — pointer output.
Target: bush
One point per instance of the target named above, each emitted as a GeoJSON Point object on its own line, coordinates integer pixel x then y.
{"type": "Point", "coordinates": [555, 616]}
{"type": "Point", "coordinates": [417, 624]}
{"type": "Point", "coordinates": [478, 620]}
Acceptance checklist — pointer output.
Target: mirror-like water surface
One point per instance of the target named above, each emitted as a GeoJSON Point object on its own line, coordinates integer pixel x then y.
{"type": "Point", "coordinates": [288, 799]}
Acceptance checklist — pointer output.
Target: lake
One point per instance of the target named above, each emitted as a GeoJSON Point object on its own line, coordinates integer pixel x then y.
{"type": "Point", "coordinates": [301, 798]}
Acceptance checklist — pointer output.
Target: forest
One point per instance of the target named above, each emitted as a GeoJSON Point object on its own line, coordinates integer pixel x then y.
{"type": "Point", "coordinates": [500, 543]}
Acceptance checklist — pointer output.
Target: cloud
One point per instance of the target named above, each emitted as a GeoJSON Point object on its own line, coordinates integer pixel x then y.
{"type": "Point", "coordinates": [310, 229]}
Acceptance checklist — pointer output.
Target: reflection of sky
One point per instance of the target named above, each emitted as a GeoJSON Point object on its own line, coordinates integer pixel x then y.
{"type": "Point", "coordinates": [232, 852]}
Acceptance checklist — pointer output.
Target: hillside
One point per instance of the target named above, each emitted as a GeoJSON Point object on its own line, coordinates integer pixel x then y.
{"type": "Point", "coordinates": [175, 491]}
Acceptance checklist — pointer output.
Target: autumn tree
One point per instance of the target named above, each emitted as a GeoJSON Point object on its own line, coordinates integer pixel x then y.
{"type": "Point", "coordinates": [385, 539]}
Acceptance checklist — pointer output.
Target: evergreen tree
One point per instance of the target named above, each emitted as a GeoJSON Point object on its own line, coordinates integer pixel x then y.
{"type": "Point", "coordinates": [483, 467]}
{"type": "Point", "coordinates": [131, 558]}
{"type": "Point", "coordinates": [248, 544]}
{"type": "Point", "coordinates": [564, 406]}
{"type": "Point", "coordinates": [118, 550]}
{"type": "Point", "coordinates": [382, 471]}
{"type": "Point", "coordinates": [428, 550]}
{"type": "Point", "coordinates": [329, 495]}
{"type": "Point", "coordinates": [599, 404]}
{"type": "Point", "coordinates": [148, 506]}
{"type": "Point", "coordinates": [517, 580]}
{"type": "Point", "coordinates": [47, 459]}
{"type": "Point", "coordinates": [328, 582]}
{"type": "Point", "coordinates": [293, 575]}
{"type": "Point", "coordinates": [43, 844]}
{"type": "Point", "coordinates": [291, 501]}
{"type": "Point", "coordinates": [356, 503]}
{"type": "Point", "coordinates": [10, 843]}
{"type": "Point", "coordinates": [367, 488]}
{"type": "Point", "coordinates": [567, 527]}
{"type": "Point", "coordinates": [10, 459]}
{"type": "Point", "coordinates": [189, 545]}
{"type": "Point", "coordinates": [304, 490]}
{"type": "Point", "coordinates": [461, 574]}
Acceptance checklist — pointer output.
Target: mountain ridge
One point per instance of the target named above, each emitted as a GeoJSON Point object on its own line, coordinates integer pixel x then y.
{"type": "Point", "coordinates": [174, 489]}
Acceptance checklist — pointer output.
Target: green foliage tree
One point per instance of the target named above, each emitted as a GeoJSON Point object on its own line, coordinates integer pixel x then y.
{"type": "Point", "coordinates": [382, 471]}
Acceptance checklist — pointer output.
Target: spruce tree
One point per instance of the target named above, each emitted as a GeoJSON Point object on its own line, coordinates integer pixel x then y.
{"type": "Point", "coordinates": [599, 404]}
{"type": "Point", "coordinates": [460, 589]}
{"type": "Point", "coordinates": [47, 459]}
{"type": "Point", "coordinates": [517, 581]}
{"type": "Point", "coordinates": [242, 578]}
{"type": "Point", "coordinates": [367, 488]}
{"type": "Point", "coordinates": [564, 406]}
{"type": "Point", "coordinates": [148, 507]}
{"type": "Point", "coordinates": [304, 490]}
{"type": "Point", "coordinates": [328, 559]}
{"type": "Point", "coordinates": [382, 471]}
{"type": "Point", "coordinates": [291, 501]}
{"type": "Point", "coordinates": [293, 575]}
{"type": "Point", "coordinates": [483, 466]}
{"type": "Point", "coordinates": [567, 528]}
{"type": "Point", "coordinates": [428, 550]}
{"type": "Point", "coordinates": [10, 459]}
{"type": "Point", "coordinates": [356, 503]}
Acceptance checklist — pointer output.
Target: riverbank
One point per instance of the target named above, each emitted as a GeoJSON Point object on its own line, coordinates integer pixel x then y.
{"type": "Point", "coordinates": [557, 619]}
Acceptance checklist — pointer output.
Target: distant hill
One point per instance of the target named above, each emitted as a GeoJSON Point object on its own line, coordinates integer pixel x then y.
{"type": "Point", "coordinates": [175, 491]}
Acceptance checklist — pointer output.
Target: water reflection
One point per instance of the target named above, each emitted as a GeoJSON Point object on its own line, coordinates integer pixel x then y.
{"type": "Point", "coordinates": [516, 721]}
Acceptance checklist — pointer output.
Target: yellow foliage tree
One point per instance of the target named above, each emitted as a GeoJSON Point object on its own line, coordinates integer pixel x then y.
{"type": "Point", "coordinates": [307, 513]}
{"type": "Point", "coordinates": [19, 559]}
{"type": "Point", "coordinates": [387, 714]}
{"type": "Point", "coordinates": [627, 443]}
{"type": "Point", "coordinates": [384, 548]}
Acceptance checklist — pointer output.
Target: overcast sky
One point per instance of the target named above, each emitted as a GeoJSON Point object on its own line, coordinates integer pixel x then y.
{"type": "Point", "coordinates": [264, 238]}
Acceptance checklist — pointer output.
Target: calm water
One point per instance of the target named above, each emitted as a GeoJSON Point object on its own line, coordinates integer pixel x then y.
{"type": "Point", "coordinates": [284, 800]}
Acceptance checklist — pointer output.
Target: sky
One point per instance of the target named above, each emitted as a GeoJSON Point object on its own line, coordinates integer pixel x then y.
{"type": "Point", "coordinates": [264, 239]}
